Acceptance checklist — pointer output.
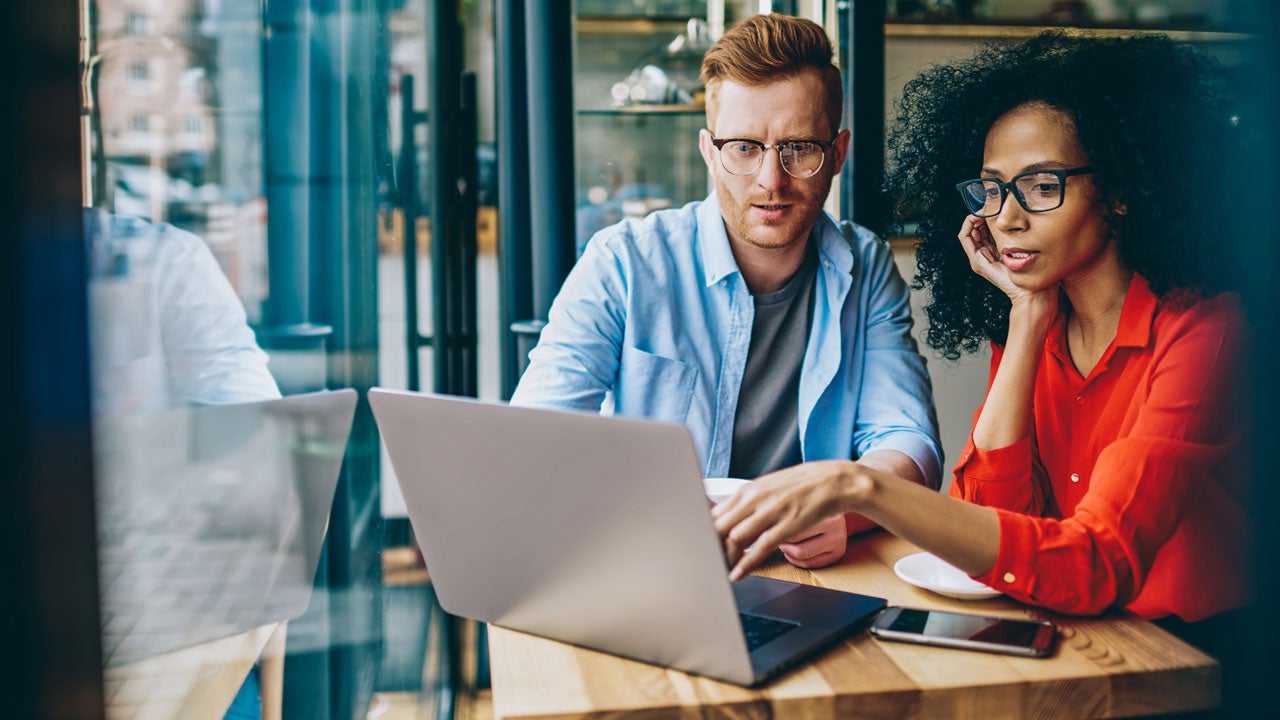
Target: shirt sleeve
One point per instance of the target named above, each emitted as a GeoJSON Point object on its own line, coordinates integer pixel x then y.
{"type": "Point", "coordinates": [895, 406]}
{"type": "Point", "coordinates": [1141, 484]}
{"type": "Point", "coordinates": [1000, 477]}
{"type": "Point", "coordinates": [576, 359]}
{"type": "Point", "coordinates": [210, 352]}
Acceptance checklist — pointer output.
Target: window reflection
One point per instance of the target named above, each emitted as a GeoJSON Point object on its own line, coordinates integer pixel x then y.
{"type": "Point", "coordinates": [212, 518]}
{"type": "Point", "coordinates": [173, 104]}
{"type": "Point", "coordinates": [214, 492]}
{"type": "Point", "coordinates": [166, 327]}
{"type": "Point", "coordinates": [236, 153]}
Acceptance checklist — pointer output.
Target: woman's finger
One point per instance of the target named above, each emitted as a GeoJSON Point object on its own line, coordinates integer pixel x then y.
{"type": "Point", "coordinates": [726, 515]}
{"type": "Point", "coordinates": [743, 535]}
{"type": "Point", "coordinates": [986, 245]}
{"type": "Point", "coordinates": [977, 237]}
{"type": "Point", "coordinates": [754, 555]}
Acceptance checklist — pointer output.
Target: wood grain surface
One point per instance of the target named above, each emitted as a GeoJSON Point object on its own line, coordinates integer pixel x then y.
{"type": "Point", "coordinates": [195, 682]}
{"type": "Point", "coordinates": [1113, 666]}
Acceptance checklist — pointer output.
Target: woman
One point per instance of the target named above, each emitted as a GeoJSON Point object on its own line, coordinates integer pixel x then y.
{"type": "Point", "coordinates": [1106, 465]}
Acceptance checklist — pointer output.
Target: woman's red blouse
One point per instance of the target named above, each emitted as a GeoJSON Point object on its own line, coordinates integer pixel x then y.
{"type": "Point", "coordinates": [1131, 488]}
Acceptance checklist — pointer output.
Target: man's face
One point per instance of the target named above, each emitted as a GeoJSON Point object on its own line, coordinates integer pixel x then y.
{"type": "Point", "coordinates": [770, 209]}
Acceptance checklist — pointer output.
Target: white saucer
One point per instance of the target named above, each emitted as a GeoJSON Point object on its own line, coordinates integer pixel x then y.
{"type": "Point", "coordinates": [931, 573]}
{"type": "Point", "coordinates": [720, 489]}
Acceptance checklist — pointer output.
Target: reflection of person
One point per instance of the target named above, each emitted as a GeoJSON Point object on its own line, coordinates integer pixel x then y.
{"type": "Point", "coordinates": [168, 330]}
{"type": "Point", "coordinates": [1106, 465]}
{"type": "Point", "coordinates": [776, 334]}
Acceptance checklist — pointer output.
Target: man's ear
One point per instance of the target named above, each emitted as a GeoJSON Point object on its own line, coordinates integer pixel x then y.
{"type": "Point", "coordinates": [840, 149]}
{"type": "Point", "coordinates": [707, 149]}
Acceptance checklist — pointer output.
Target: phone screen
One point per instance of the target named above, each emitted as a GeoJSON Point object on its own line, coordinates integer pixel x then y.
{"type": "Point", "coordinates": [1029, 638]}
{"type": "Point", "coordinates": [1000, 631]}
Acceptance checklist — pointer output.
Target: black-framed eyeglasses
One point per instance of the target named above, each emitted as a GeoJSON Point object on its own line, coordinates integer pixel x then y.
{"type": "Point", "coordinates": [800, 158]}
{"type": "Point", "coordinates": [1036, 191]}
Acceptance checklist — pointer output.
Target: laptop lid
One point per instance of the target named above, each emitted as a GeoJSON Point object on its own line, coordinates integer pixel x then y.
{"type": "Point", "coordinates": [211, 518]}
{"type": "Point", "coordinates": [591, 530]}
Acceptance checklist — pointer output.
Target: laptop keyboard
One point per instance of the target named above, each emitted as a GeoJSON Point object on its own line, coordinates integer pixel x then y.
{"type": "Point", "coordinates": [760, 630]}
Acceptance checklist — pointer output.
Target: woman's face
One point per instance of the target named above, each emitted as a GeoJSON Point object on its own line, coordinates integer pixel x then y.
{"type": "Point", "coordinates": [1043, 248]}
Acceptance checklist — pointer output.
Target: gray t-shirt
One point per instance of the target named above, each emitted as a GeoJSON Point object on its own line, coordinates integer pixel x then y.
{"type": "Point", "coordinates": [766, 430]}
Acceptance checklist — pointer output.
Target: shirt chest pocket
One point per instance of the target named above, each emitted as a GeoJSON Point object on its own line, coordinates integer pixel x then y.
{"type": "Point", "coordinates": [653, 386]}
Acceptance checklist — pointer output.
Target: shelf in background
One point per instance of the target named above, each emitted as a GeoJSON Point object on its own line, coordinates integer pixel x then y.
{"type": "Point", "coordinates": [635, 110]}
{"type": "Point", "coordinates": [622, 25]}
{"type": "Point", "coordinates": [996, 31]}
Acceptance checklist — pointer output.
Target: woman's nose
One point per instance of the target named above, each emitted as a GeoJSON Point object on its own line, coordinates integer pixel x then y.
{"type": "Point", "coordinates": [1012, 216]}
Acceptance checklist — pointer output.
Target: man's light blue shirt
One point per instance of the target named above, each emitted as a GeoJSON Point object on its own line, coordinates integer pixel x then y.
{"type": "Point", "coordinates": [656, 312]}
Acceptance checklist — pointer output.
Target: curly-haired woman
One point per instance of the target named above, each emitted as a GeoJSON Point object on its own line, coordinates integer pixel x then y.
{"type": "Point", "coordinates": [1106, 465]}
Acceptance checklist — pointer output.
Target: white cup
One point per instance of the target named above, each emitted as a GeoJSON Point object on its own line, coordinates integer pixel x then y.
{"type": "Point", "coordinates": [720, 489]}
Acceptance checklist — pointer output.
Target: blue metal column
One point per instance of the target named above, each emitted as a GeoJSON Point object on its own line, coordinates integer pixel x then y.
{"type": "Point", "coordinates": [452, 152]}
{"type": "Point", "coordinates": [324, 62]}
{"type": "Point", "coordinates": [514, 243]}
{"type": "Point", "coordinates": [551, 181]}
{"type": "Point", "coordinates": [349, 73]}
{"type": "Point", "coordinates": [287, 130]}
{"type": "Point", "coordinates": [861, 42]}
{"type": "Point", "coordinates": [296, 345]}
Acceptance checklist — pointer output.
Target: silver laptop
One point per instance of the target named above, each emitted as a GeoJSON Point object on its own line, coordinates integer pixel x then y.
{"type": "Point", "coordinates": [594, 531]}
{"type": "Point", "coordinates": [211, 519]}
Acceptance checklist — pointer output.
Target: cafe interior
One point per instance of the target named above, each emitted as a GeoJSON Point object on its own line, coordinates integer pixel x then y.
{"type": "Point", "coordinates": [389, 193]}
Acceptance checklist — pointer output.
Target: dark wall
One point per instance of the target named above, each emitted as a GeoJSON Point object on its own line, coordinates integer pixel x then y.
{"type": "Point", "coordinates": [49, 601]}
{"type": "Point", "coordinates": [1254, 249]}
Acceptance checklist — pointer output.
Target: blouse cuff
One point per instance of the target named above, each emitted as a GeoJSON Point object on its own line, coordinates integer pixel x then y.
{"type": "Point", "coordinates": [1013, 573]}
{"type": "Point", "coordinates": [1000, 464]}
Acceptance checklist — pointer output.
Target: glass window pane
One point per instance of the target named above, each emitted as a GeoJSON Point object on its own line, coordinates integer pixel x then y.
{"type": "Point", "coordinates": [241, 209]}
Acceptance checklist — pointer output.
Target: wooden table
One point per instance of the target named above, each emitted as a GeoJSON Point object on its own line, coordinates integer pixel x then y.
{"type": "Point", "coordinates": [1115, 666]}
{"type": "Point", "coordinates": [199, 681]}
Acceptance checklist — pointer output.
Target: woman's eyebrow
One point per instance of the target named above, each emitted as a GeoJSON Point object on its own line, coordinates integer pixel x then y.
{"type": "Point", "coordinates": [1033, 167]}
{"type": "Point", "coordinates": [1048, 165]}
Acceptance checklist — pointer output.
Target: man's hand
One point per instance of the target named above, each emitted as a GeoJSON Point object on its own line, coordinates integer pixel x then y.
{"type": "Point", "coordinates": [818, 546]}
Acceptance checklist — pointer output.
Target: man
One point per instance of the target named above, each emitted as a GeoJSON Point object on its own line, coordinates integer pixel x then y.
{"type": "Point", "coordinates": [774, 333]}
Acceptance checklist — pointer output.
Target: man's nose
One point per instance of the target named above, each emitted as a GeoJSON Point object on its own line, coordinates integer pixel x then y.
{"type": "Point", "coordinates": [771, 176]}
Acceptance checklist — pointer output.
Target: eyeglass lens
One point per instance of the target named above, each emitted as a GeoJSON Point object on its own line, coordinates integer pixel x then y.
{"type": "Point", "coordinates": [1036, 192]}
{"type": "Point", "coordinates": [800, 159]}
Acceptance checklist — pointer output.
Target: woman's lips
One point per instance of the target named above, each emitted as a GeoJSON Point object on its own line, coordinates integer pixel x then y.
{"type": "Point", "coordinates": [1017, 259]}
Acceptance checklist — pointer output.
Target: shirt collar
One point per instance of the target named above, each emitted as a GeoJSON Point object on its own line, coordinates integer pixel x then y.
{"type": "Point", "coordinates": [717, 255]}
{"type": "Point", "coordinates": [713, 240]}
{"type": "Point", "coordinates": [1138, 314]}
{"type": "Point", "coordinates": [1134, 330]}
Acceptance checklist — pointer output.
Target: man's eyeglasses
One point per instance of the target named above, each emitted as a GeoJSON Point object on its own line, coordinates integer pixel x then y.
{"type": "Point", "coordinates": [1036, 191]}
{"type": "Point", "coordinates": [800, 158]}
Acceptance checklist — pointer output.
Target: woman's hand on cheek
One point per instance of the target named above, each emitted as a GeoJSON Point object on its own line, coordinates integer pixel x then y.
{"type": "Point", "coordinates": [984, 256]}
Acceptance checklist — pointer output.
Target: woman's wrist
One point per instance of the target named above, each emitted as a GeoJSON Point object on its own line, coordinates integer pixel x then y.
{"type": "Point", "coordinates": [857, 488]}
{"type": "Point", "coordinates": [1032, 314]}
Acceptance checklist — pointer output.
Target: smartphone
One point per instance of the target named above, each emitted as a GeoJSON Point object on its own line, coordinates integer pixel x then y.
{"type": "Point", "coordinates": [1028, 638]}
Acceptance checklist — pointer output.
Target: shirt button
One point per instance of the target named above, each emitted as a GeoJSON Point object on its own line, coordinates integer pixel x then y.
{"type": "Point", "coordinates": [1079, 399]}
{"type": "Point", "coordinates": [1075, 477]}
{"type": "Point", "coordinates": [1008, 577]}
